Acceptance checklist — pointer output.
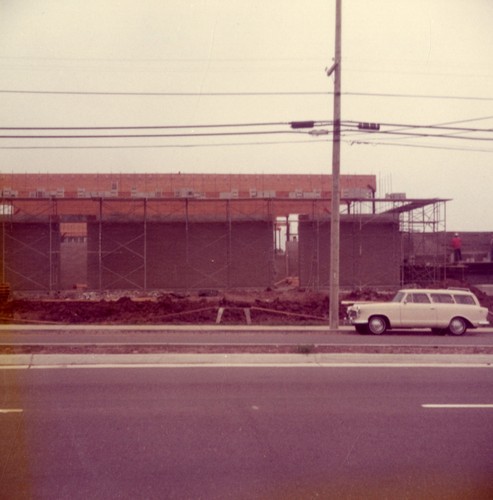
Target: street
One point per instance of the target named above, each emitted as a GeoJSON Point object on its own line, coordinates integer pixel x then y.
{"type": "Point", "coordinates": [239, 431]}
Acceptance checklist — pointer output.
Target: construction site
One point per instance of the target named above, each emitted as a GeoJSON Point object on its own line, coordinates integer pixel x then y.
{"type": "Point", "coordinates": [155, 247]}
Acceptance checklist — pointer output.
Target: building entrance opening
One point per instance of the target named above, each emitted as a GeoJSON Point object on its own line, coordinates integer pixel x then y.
{"type": "Point", "coordinates": [73, 255]}
{"type": "Point", "coordinates": [286, 249]}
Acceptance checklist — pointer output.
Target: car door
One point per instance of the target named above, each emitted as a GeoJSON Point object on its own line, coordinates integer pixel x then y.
{"type": "Point", "coordinates": [418, 311]}
{"type": "Point", "coordinates": [445, 308]}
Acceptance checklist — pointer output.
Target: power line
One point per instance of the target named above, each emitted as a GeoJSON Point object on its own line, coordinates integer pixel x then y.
{"type": "Point", "coordinates": [152, 146]}
{"type": "Point", "coordinates": [423, 134]}
{"type": "Point", "coordinates": [246, 94]}
{"type": "Point", "coordinates": [418, 146]}
{"type": "Point", "coordinates": [150, 127]}
{"type": "Point", "coordinates": [165, 94]}
{"type": "Point", "coordinates": [315, 123]}
{"type": "Point", "coordinates": [409, 131]}
{"type": "Point", "coordinates": [401, 128]}
{"type": "Point", "coordinates": [419, 96]}
{"type": "Point", "coordinates": [432, 127]}
{"type": "Point", "coordinates": [240, 133]}
{"type": "Point", "coordinates": [257, 143]}
{"type": "Point", "coordinates": [135, 136]}
{"type": "Point", "coordinates": [160, 60]}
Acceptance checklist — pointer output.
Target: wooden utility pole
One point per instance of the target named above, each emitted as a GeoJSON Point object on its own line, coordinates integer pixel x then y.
{"type": "Point", "coordinates": [336, 195]}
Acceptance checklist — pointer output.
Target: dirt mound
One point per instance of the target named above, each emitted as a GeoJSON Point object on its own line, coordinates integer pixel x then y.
{"type": "Point", "coordinates": [204, 307]}
{"type": "Point", "coordinates": [268, 307]}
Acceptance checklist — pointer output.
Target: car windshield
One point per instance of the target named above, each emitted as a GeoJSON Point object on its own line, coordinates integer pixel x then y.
{"type": "Point", "coordinates": [398, 297]}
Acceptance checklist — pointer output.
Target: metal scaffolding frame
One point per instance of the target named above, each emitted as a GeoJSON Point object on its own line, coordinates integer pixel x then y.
{"type": "Point", "coordinates": [422, 225]}
{"type": "Point", "coordinates": [424, 249]}
{"type": "Point", "coordinates": [33, 212]}
{"type": "Point", "coordinates": [422, 228]}
{"type": "Point", "coordinates": [186, 211]}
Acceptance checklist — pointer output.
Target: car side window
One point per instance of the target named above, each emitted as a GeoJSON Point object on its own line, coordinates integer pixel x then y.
{"type": "Point", "coordinates": [420, 298]}
{"type": "Point", "coordinates": [442, 298]}
{"type": "Point", "coordinates": [464, 299]}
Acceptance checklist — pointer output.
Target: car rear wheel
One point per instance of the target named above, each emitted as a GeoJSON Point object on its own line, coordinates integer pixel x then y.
{"type": "Point", "coordinates": [457, 326]}
{"type": "Point", "coordinates": [377, 325]}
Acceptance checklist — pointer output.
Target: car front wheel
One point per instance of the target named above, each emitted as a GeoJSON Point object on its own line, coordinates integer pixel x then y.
{"type": "Point", "coordinates": [457, 326]}
{"type": "Point", "coordinates": [377, 325]}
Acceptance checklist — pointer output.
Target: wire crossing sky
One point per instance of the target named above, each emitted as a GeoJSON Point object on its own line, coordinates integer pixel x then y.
{"type": "Point", "coordinates": [213, 86]}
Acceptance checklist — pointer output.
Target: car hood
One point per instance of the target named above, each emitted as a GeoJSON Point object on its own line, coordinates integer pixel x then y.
{"type": "Point", "coordinates": [376, 304]}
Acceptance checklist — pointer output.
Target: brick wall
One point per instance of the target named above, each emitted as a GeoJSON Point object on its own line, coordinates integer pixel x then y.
{"type": "Point", "coordinates": [166, 185]}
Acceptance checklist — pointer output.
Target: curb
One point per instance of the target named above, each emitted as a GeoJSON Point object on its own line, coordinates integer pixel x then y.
{"type": "Point", "coordinates": [346, 360]}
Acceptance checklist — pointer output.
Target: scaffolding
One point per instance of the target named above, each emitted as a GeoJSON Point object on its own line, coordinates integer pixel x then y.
{"type": "Point", "coordinates": [125, 236]}
{"type": "Point", "coordinates": [424, 246]}
{"type": "Point", "coordinates": [422, 233]}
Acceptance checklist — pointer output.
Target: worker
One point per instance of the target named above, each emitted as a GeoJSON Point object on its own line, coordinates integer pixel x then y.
{"type": "Point", "coordinates": [457, 247]}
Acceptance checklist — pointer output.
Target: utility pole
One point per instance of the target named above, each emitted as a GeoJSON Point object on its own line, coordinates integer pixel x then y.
{"type": "Point", "coordinates": [336, 195]}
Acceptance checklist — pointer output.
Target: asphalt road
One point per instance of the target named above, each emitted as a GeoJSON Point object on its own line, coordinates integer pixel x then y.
{"type": "Point", "coordinates": [213, 432]}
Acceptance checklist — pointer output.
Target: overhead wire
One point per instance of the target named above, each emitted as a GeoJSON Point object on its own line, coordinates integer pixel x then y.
{"type": "Point", "coordinates": [152, 146]}
{"type": "Point", "coordinates": [147, 136]}
{"type": "Point", "coordinates": [165, 94]}
{"type": "Point", "coordinates": [299, 126]}
{"type": "Point", "coordinates": [407, 126]}
{"type": "Point", "coordinates": [350, 128]}
{"type": "Point", "coordinates": [418, 146]}
{"type": "Point", "coordinates": [245, 94]}
{"type": "Point", "coordinates": [144, 127]}
{"type": "Point", "coordinates": [422, 134]}
{"type": "Point", "coordinates": [456, 131]}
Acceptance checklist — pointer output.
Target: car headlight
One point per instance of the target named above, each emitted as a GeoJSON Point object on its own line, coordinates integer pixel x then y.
{"type": "Point", "coordinates": [353, 312]}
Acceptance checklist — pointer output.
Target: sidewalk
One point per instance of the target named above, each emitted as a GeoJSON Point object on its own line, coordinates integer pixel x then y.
{"type": "Point", "coordinates": [88, 361]}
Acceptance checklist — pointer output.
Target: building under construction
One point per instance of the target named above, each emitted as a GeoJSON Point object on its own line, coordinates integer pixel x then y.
{"type": "Point", "coordinates": [204, 231]}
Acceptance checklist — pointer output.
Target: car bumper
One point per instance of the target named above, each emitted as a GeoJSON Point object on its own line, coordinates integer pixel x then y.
{"type": "Point", "coordinates": [358, 321]}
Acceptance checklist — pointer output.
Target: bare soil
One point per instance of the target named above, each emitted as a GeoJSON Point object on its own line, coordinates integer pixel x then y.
{"type": "Point", "coordinates": [269, 307]}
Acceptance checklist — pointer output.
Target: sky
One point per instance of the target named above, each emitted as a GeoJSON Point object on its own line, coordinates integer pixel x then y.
{"type": "Point", "coordinates": [253, 67]}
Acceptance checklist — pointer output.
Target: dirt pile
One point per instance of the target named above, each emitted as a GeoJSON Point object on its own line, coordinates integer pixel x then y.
{"type": "Point", "coordinates": [269, 307]}
{"type": "Point", "coordinates": [206, 307]}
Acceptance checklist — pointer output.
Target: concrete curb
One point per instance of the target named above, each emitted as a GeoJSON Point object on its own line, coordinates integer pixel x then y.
{"type": "Point", "coordinates": [40, 361]}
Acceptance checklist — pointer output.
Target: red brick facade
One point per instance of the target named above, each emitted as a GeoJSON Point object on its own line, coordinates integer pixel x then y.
{"type": "Point", "coordinates": [177, 185]}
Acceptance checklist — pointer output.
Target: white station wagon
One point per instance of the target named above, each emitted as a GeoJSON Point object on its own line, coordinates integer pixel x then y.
{"type": "Point", "coordinates": [444, 311]}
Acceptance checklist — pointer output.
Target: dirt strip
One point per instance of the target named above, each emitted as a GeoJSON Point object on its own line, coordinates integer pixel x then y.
{"type": "Point", "coordinates": [246, 349]}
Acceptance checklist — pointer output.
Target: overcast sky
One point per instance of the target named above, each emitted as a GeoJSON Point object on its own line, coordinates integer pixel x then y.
{"type": "Point", "coordinates": [122, 63]}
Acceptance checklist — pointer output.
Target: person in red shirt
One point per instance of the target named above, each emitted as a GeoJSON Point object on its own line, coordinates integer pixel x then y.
{"type": "Point", "coordinates": [457, 246]}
